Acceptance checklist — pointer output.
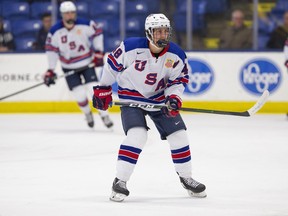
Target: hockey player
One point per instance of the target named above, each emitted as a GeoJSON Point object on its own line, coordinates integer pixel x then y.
{"type": "Point", "coordinates": [77, 43]}
{"type": "Point", "coordinates": [286, 57]}
{"type": "Point", "coordinates": [149, 70]}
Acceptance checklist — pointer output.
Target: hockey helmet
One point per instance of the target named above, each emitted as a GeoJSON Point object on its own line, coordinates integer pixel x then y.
{"type": "Point", "coordinates": [154, 21]}
{"type": "Point", "coordinates": [67, 6]}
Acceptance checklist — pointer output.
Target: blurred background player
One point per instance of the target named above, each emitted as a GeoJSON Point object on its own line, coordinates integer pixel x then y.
{"type": "Point", "coordinates": [149, 70]}
{"type": "Point", "coordinates": [77, 43]}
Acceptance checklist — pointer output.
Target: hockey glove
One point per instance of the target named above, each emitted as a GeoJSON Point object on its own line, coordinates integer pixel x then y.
{"type": "Point", "coordinates": [102, 97]}
{"type": "Point", "coordinates": [286, 64]}
{"type": "Point", "coordinates": [50, 77]}
{"type": "Point", "coordinates": [173, 104]}
{"type": "Point", "coordinates": [98, 59]}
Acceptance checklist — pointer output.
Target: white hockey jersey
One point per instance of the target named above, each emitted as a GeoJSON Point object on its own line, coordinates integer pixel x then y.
{"type": "Point", "coordinates": [286, 50]}
{"type": "Point", "coordinates": [75, 48]}
{"type": "Point", "coordinates": [141, 76]}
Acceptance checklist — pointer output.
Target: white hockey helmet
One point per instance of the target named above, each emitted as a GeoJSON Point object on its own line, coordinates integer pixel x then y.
{"type": "Point", "coordinates": [154, 21]}
{"type": "Point", "coordinates": [67, 6]}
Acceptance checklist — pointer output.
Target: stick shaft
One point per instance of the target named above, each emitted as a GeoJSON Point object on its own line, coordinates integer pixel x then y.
{"type": "Point", "coordinates": [39, 84]}
{"type": "Point", "coordinates": [257, 106]}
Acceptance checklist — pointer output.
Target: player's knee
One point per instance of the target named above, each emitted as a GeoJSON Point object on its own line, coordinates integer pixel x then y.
{"type": "Point", "coordinates": [79, 93]}
{"type": "Point", "coordinates": [178, 139]}
{"type": "Point", "coordinates": [136, 136]}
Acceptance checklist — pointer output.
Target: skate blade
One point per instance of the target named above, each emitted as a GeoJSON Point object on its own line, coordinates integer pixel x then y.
{"type": "Point", "coordinates": [198, 195]}
{"type": "Point", "coordinates": [117, 197]}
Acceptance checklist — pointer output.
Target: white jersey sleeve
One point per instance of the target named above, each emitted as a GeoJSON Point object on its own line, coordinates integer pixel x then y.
{"type": "Point", "coordinates": [115, 62]}
{"type": "Point", "coordinates": [286, 50]}
{"type": "Point", "coordinates": [96, 35]}
{"type": "Point", "coordinates": [52, 51]}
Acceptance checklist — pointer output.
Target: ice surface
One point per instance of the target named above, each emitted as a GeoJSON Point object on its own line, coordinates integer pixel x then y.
{"type": "Point", "coordinates": [54, 165]}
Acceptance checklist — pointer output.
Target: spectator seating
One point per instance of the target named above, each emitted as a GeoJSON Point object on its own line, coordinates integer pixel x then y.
{"type": "Point", "coordinates": [111, 43]}
{"type": "Point", "coordinates": [39, 8]}
{"type": "Point", "coordinates": [7, 25]}
{"type": "Point", "coordinates": [25, 43]}
{"type": "Point", "coordinates": [15, 10]}
{"type": "Point", "coordinates": [26, 28]}
{"type": "Point", "coordinates": [262, 41]}
{"type": "Point", "coordinates": [82, 10]}
{"type": "Point", "coordinates": [198, 19]}
{"type": "Point", "coordinates": [105, 10]}
{"type": "Point", "coordinates": [134, 28]}
{"type": "Point", "coordinates": [215, 7]}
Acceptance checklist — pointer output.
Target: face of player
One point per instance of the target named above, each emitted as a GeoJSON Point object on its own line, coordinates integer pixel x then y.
{"type": "Point", "coordinates": [69, 18]}
{"type": "Point", "coordinates": [160, 34]}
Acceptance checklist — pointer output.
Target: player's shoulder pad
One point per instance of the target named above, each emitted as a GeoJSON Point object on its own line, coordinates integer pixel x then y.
{"type": "Point", "coordinates": [134, 43]}
{"type": "Point", "coordinates": [80, 21]}
{"type": "Point", "coordinates": [56, 27]}
{"type": "Point", "coordinates": [175, 49]}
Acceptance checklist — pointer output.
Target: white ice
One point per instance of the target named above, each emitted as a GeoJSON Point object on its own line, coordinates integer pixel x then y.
{"type": "Point", "coordinates": [54, 165]}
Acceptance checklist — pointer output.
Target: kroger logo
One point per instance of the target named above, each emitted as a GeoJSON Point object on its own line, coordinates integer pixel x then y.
{"type": "Point", "coordinates": [259, 75]}
{"type": "Point", "coordinates": [201, 76]}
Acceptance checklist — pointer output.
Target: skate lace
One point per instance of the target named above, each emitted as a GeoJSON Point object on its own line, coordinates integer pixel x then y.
{"type": "Point", "coordinates": [191, 182]}
{"type": "Point", "coordinates": [122, 184]}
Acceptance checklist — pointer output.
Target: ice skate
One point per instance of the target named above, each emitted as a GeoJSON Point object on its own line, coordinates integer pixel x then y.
{"type": "Point", "coordinates": [107, 121]}
{"type": "Point", "coordinates": [194, 188]}
{"type": "Point", "coordinates": [119, 190]}
{"type": "Point", "coordinates": [90, 119]}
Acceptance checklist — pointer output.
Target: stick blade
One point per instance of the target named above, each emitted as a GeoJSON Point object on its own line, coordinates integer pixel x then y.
{"type": "Point", "coordinates": [262, 100]}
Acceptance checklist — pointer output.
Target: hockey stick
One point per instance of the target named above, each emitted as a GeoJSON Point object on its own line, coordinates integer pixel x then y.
{"type": "Point", "coordinates": [69, 73]}
{"type": "Point", "coordinates": [257, 106]}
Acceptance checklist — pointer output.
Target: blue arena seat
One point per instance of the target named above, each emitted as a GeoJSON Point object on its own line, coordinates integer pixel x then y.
{"type": "Point", "coordinates": [111, 43]}
{"type": "Point", "coordinates": [26, 28]}
{"type": "Point", "coordinates": [7, 25]}
{"type": "Point", "coordinates": [39, 8]}
{"type": "Point", "coordinates": [104, 10]}
{"type": "Point", "coordinates": [110, 26]}
{"type": "Point", "coordinates": [198, 22]}
{"type": "Point", "coordinates": [198, 7]}
{"type": "Point", "coordinates": [15, 10]}
{"type": "Point", "coordinates": [136, 8]}
{"type": "Point", "coordinates": [262, 41]}
{"type": "Point", "coordinates": [82, 10]}
{"type": "Point", "coordinates": [24, 44]}
{"type": "Point", "coordinates": [215, 7]}
{"type": "Point", "coordinates": [134, 27]}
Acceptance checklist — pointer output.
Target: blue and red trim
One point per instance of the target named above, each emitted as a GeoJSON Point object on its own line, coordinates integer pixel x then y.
{"type": "Point", "coordinates": [114, 64]}
{"type": "Point", "coordinates": [181, 155]}
{"type": "Point", "coordinates": [129, 154]}
{"type": "Point", "coordinates": [125, 93]}
{"type": "Point", "coordinates": [76, 59]}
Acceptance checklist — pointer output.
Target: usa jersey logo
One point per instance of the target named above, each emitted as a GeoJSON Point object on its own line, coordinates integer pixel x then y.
{"type": "Point", "coordinates": [201, 76]}
{"type": "Point", "coordinates": [258, 75]}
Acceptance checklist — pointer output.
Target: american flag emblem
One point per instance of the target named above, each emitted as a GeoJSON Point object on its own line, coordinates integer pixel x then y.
{"type": "Point", "coordinates": [169, 63]}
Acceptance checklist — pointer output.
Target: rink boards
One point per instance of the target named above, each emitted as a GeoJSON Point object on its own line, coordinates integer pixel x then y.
{"type": "Point", "coordinates": [218, 80]}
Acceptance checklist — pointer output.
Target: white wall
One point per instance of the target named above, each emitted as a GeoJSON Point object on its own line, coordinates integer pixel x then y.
{"type": "Point", "coordinates": [19, 71]}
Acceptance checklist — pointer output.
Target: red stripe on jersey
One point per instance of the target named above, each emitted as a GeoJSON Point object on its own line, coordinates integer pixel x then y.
{"type": "Point", "coordinates": [49, 47]}
{"type": "Point", "coordinates": [72, 60]}
{"type": "Point", "coordinates": [115, 63]}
